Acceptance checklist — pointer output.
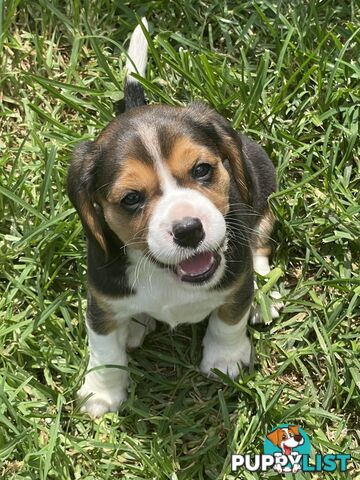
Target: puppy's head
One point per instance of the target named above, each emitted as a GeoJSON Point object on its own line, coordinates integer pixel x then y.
{"type": "Point", "coordinates": [156, 178]}
{"type": "Point", "coordinates": [286, 438]}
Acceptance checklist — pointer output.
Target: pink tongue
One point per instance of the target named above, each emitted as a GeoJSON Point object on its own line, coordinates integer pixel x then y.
{"type": "Point", "coordinates": [197, 264]}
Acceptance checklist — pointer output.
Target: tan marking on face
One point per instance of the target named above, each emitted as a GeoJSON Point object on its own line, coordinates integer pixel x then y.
{"type": "Point", "coordinates": [131, 228]}
{"type": "Point", "coordinates": [133, 175]}
{"type": "Point", "coordinates": [228, 146]}
{"type": "Point", "coordinates": [185, 154]}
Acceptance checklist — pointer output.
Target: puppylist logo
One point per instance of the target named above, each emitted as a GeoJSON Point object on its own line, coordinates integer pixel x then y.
{"type": "Point", "coordinates": [287, 450]}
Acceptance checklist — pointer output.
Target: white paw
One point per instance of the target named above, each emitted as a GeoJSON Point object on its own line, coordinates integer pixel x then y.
{"type": "Point", "coordinates": [275, 308]}
{"type": "Point", "coordinates": [276, 305]}
{"type": "Point", "coordinates": [296, 468]}
{"type": "Point", "coordinates": [261, 264]}
{"type": "Point", "coordinates": [229, 360]}
{"type": "Point", "coordinates": [255, 316]}
{"type": "Point", "coordinates": [139, 327]}
{"type": "Point", "coordinates": [278, 468]}
{"type": "Point", "coordinates": [101, 400]}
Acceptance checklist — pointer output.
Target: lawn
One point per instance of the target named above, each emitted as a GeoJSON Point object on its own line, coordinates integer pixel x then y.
{"type": "Point", "coordinates": [285, 73]}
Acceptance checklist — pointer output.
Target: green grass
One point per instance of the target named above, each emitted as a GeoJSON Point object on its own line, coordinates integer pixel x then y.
{"type": "Point", "coordinates": [285, 73]}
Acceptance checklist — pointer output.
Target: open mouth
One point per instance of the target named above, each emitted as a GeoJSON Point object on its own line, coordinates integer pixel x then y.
{"type": "Point", "coordinates": [287, 450]}
{"type": "Point", "coordinates": [199, 268]}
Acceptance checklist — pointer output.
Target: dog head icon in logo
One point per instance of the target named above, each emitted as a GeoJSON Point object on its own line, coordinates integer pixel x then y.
{"type": "Point", "coordinates": [288, 443]}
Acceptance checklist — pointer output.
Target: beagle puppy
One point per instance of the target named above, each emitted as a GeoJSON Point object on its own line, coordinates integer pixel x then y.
{"type": "Point", "coordinates": [174, 203]}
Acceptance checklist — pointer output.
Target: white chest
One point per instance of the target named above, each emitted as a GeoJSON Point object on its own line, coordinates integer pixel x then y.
{"type": "Point", "coordinates": [162, 296]}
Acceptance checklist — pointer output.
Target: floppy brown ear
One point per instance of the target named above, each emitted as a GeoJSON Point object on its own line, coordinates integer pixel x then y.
{"type": "Point", "coordinates": [274, 437]}
{"type": "Point", "coordinates": [81, 186]}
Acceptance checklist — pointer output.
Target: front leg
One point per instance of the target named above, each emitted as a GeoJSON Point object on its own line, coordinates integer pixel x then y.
{"type": "Point", "coordinates": [105, 387]}
{"type": "Point", "coordinates": [226, 347]}
{"type": "Point", "coordinates": [226, 344]}
{"type": "Point", "coordinates": [139, 326]}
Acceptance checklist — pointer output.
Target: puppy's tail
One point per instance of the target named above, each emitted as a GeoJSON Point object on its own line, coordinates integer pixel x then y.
{"type": "Point", "coordinates": [136, 63]}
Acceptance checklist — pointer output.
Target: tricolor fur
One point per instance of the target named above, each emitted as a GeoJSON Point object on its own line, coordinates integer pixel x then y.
{"type": "Point", "coordinates": [174, 203]}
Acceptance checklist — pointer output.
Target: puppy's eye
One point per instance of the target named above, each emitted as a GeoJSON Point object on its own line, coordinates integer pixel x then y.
{"type": "Point", "coordinates": [132, 200]}
{"type": "Point", "coordinates": [202, 171]}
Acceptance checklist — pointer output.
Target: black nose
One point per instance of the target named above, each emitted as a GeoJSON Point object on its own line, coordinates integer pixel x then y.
{"type": "Point", "coordinates": [188, 232]}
